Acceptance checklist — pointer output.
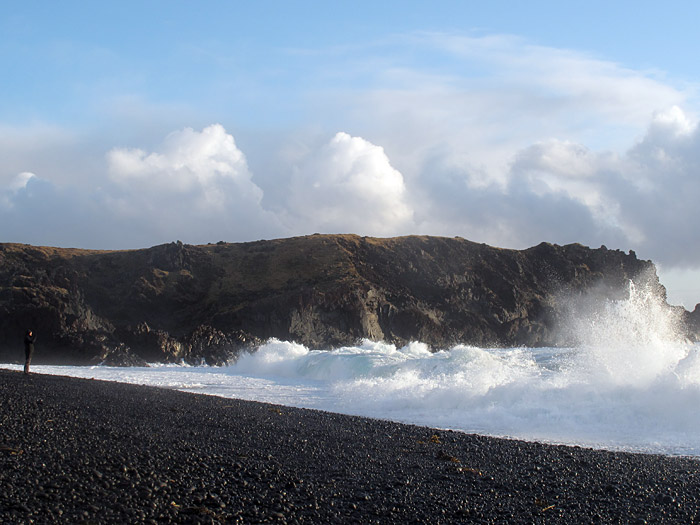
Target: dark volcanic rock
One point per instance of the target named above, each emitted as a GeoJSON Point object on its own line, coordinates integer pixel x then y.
{"type": "Point", "coordinates": [83, 451]}
{"type": "Point", "coordinates": [179, 302]}
{"type": "Point", "coordinates": [215, 347]}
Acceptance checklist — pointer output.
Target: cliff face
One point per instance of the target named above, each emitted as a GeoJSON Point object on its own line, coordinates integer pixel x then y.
{"type": "Point", "coordinates": [175, 301]}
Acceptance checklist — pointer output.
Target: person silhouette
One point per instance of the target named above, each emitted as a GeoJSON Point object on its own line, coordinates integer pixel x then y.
{"type": "Point", "coordinates": [29, 339]}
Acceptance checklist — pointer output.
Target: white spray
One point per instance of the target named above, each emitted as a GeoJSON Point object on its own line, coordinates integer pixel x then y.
{"type": "Point", "coordinates": [629, 383]}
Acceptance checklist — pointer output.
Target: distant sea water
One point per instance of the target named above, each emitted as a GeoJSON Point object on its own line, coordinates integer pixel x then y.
{"type": "Point", "coordinates": [629, 383]}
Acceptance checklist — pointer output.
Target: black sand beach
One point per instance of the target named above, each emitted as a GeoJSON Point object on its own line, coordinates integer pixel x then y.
{"type": "Point", "coordinates": [83, 451]}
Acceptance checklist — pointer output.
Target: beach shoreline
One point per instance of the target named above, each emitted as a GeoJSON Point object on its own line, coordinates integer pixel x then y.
{"type": "Point", "coordinates": [80, 450]}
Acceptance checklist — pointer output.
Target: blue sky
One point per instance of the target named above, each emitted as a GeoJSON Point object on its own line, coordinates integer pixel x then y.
{"type": "Point", "coordinates": [69, 58]}
{"type": "Point", "coordinates": [129, 124]}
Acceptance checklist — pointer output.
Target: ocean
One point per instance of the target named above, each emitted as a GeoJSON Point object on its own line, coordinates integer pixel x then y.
{"type": "Point", "coordinates": [630, 383]}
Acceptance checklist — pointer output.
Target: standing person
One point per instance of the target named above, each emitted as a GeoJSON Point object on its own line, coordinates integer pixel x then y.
{"type": "Point", "coordinates": [29, 339]}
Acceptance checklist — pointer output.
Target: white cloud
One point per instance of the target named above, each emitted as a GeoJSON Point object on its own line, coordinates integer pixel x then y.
{"type": "Point", "coordinates": [195, 186]}
{"type": "Point", "coordinates": [484, 98]}
{"type": "Point", "coordinates": [40, 149]}
{"type": "Point", "coordinates": [566, 159]}
{"type": "Point", "coordinates": [644, 199]}
{"type": "Point", "coordinates": [669, 143]}
{"type": "Point", "coordinates": [570, 170]}
{"type": "Point", "coordinates": [20, 181]}
{"type": "Point", "coordinates": [664, 182]}
{"type": "Point", "coordinates": [15, 185]}
{"type": "Point", "coordinates": [207, 167]}
{"type": "Point", "coordinates": [556, 79]}
{"type": "Point", "coordinates": [36, 211]}
{"type": "Point", "coordinates": [349, 185]}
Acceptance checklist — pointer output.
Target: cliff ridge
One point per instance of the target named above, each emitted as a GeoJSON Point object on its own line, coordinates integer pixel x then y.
{"type": "Point", "coordinates": [178, 302]}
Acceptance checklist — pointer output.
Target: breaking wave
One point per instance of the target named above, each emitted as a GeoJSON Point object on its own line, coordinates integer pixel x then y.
{"type": "Point", "coordinates": [630, 383]}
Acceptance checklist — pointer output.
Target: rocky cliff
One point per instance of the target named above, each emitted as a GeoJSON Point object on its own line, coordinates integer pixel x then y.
{"type": "Point", "coordinates": [176, 301]}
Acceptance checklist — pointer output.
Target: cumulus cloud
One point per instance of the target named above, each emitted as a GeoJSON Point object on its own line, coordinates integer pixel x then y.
{"type": "Point", "coordinates": [670, 143]}
{"type": "Point", "coordinates": [196, 186]}
{"type": "Point", "coordinates": [663, 176]}
{"type": "Point", "coordinates": [568, 171]}
{"type": "Point", "coordinates": [35, 211]}
{"type": "Point", "coordinates": [561, 191]}
{"type": "Point", "coordinates": [349, 185]}
{"type": "Point", "coordinates": [205, 166]}
{"type": "Point", "coordinates": [496, 139]}
{"type": "Point", "coordinates": [20, 181]}
{"type": "Point", "coordinates": [644, 198]}
{"type": "Point", "coordinates": [519, 214]}
{"type": "Point", "coordinates": [486, 97]}
{"type": "Point", "coordinates": [14, 186]}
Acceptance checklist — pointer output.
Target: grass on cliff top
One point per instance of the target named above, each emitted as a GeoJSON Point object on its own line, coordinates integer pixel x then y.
{"type": "Point", "coordinates": [277, 264]}
{"type": "Point", "coordinates": [47, 252]}
{"type": "Point", "coordinates": [320, 261]}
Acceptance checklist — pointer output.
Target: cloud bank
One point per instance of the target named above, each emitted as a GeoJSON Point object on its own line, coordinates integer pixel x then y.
{"type": "Point", "coordinates": [197, 186]}
{"type": "Point", "coordinates": [485, 97]}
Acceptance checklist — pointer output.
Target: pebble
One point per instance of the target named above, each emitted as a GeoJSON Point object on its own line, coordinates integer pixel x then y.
{"type": "Point", "coordinates": [160, 456]}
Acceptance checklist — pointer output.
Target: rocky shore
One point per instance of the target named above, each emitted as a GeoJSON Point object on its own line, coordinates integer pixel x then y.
{"type": "Point", "coordinates": [177, 302]}
{"type": "Point", "coordinates": [85, 451]}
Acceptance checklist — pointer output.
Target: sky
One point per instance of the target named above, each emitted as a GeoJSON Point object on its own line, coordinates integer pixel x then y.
{"type": "Point", "coordinates": [130, 124]}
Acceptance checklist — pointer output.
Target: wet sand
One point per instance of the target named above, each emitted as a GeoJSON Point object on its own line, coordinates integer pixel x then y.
{"type": "Point", "coordinates": [86, 451]}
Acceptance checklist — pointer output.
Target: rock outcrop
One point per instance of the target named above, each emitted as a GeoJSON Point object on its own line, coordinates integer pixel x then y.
{"type": "Point", "coordinates": [208, 303]}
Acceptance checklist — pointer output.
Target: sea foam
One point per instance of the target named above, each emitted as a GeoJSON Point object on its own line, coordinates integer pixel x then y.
{"type": "Point", "coordinates": [629, 383]}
